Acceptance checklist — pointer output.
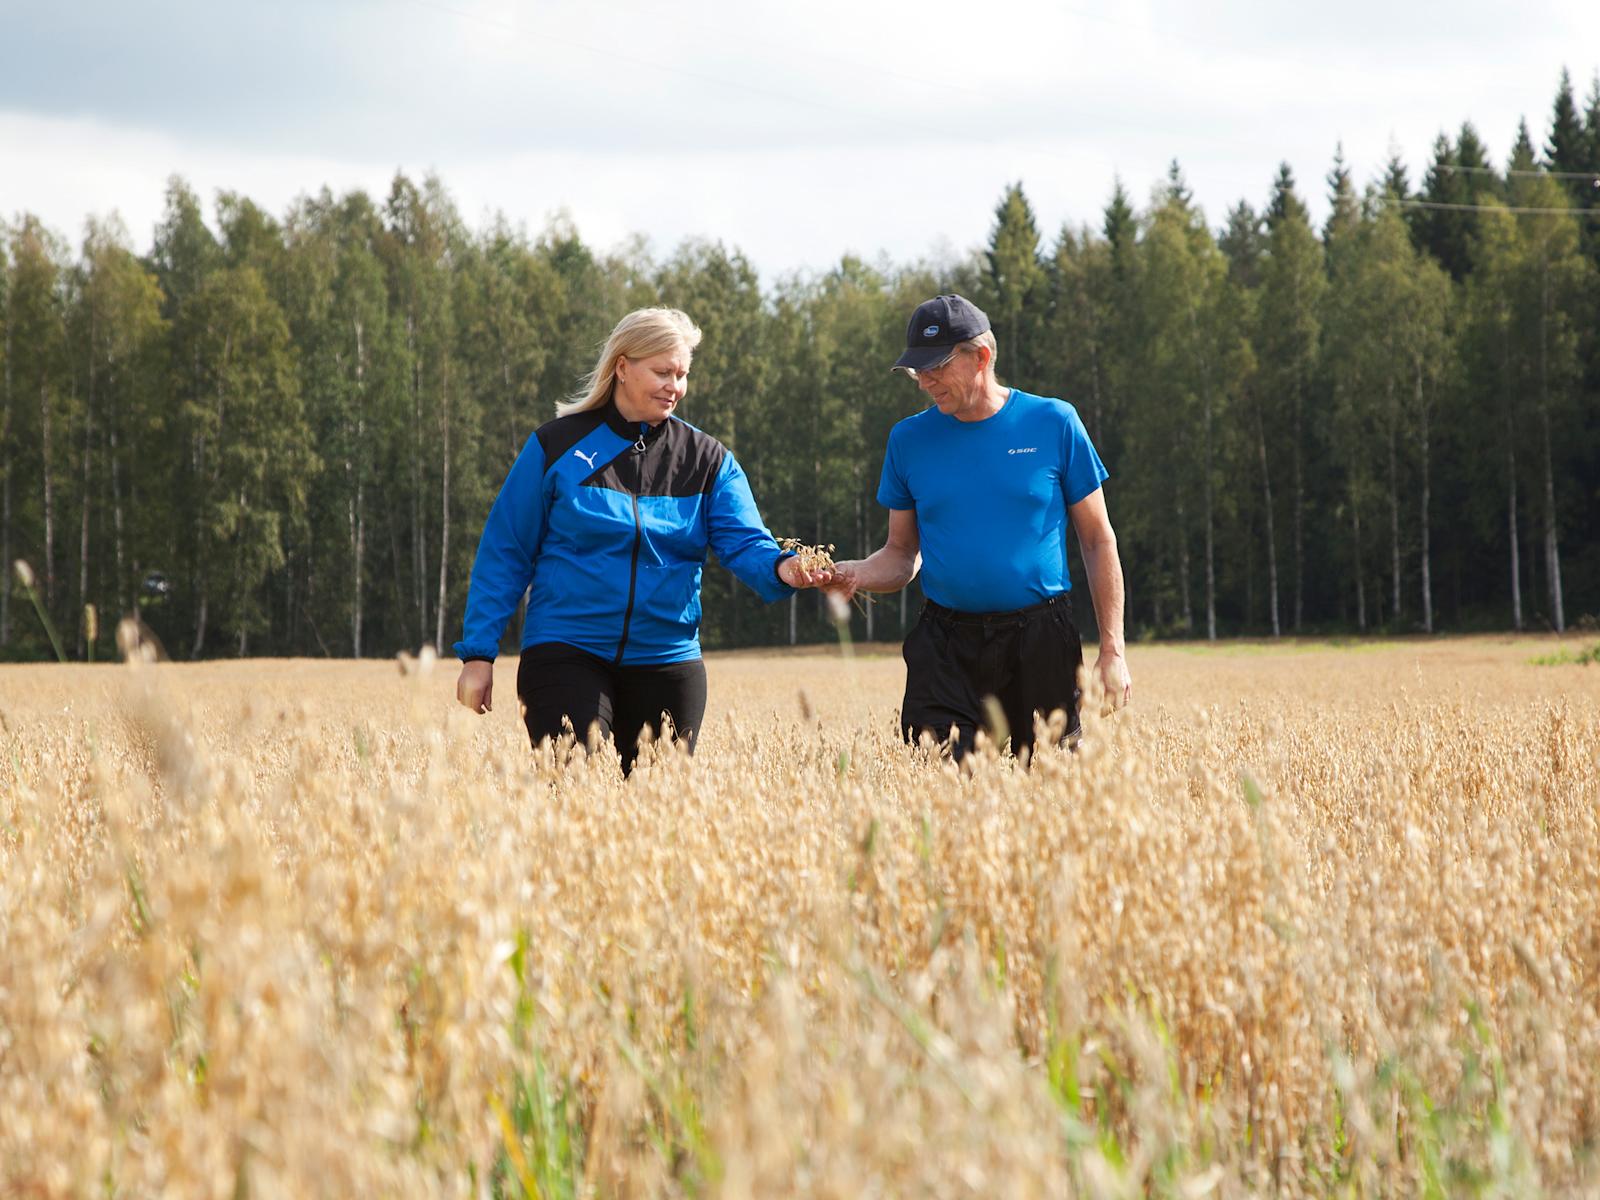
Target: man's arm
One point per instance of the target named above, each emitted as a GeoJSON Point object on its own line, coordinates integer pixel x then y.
{"type": "Point", "coordinates": [1100, 559]}
{"type": "Point", "coordinates": [885, 570]}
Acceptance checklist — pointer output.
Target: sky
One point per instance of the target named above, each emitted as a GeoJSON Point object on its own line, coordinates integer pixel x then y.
{"type": "Point", "coordinates": [796, 133]}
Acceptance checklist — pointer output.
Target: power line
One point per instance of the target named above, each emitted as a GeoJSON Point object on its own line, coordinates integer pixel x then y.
{"type": "Point", "coordinates": [1506, 208]}
{"type": "Point", "coordinates": [1593, 176]}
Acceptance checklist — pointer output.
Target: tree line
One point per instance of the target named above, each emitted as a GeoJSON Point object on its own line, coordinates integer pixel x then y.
{"type": "Point", "coordinates": [281, 435]}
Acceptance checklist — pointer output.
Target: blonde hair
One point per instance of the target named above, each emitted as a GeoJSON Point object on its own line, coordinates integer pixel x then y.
{"type": "Point", "coordinates": [640, 334]}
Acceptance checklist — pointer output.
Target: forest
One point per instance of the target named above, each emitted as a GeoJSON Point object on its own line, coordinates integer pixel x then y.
{"type": "Point", "coordinates": [279, 434]}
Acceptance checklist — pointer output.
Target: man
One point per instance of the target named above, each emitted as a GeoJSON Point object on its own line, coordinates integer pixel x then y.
{"type": "Point", "coordinates": [980, 488]}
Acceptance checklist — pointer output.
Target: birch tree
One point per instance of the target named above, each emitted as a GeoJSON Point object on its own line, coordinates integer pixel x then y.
{"type": "Point", "coordinates": [252, 448]}
{"type": "Point", "coordinates": [1287, 337]}
{"type": "Point", "coordinates": [38, 396]}
{"type": "Point", "coordinates": [1552, 285]}
{"type": "Point", "coordinates": [1191, 357]}
{"type": "Point", "coordinates": [119, 339]}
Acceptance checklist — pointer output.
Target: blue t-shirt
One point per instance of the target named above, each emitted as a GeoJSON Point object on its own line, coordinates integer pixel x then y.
{"type": "Point", "coordinates": [991, 499]}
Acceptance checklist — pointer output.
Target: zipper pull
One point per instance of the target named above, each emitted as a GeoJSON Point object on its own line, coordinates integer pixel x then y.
{"type": "Point", "coordinates": [644, 428]}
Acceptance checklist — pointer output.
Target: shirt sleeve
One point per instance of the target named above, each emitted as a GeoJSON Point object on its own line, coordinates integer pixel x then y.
{"type": "Point", "coordinates": [738, 535]}
{"type": "Point", "coordinates": [893, 489]}
{"type": "Point", "coordinates": [503, 567]}
{"type": "Point", "coordinates": [1081, 469]}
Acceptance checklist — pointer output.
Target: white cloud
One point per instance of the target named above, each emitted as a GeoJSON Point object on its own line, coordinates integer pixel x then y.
{"type": "Point", "coordinates": [67, 169]}
{"type": "Point", "coordinates": [796, 135]}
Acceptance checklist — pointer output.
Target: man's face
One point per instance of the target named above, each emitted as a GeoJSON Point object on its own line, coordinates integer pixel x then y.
{"type": "Point", "coordinates": [957, 383]}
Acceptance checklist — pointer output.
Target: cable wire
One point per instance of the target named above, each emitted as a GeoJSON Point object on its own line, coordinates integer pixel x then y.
{"type": "Point", "coordinates": [1508, 208]}
{"type": "Point", "coordinates": [1593, 176]}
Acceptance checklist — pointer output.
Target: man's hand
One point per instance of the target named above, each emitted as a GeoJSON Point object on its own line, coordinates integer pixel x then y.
{"type": "Point", "coordinates": [1112, 668]}
{"type": "Point", "coordinates": [844, 583]}
{"type": "Point", "coordinates": [885, 570]}
{"type": "Point", "coordinates": [475, 687]}
{"type": "Point", "coordinates": [796, 576]}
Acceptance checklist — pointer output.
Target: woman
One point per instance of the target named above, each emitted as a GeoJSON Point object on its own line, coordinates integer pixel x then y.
{"type": "Point", "coordinates": [608, 512]}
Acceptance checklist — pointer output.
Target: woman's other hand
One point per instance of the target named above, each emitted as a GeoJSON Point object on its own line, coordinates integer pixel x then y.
{"type": "Point", "coordinates": [475, 687]}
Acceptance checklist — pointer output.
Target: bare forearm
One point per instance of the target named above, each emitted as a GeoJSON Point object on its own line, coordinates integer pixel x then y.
{"type": "Point", "coordinates": [885, 570]}
{"type": "Point", "coordinates": [1104, 567]}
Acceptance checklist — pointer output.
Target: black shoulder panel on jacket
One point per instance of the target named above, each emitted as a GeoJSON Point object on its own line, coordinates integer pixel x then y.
{"type": "Point", "coordinates": [562, 434]}
{"type": "Point", "coordinates": [677, 460]}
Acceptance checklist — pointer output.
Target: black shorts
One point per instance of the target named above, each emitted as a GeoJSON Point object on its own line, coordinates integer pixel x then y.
{"type": "Point", "coordinates": [558, 683]}
{"type": "Point", "coordinates": [1027, 660]}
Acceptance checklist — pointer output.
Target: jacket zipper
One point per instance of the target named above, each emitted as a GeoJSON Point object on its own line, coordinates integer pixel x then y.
{"type": "Point", "coordinates": [633, 568]}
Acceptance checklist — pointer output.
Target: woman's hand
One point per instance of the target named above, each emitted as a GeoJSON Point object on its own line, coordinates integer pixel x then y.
{"type": "Point", "coordinates": [475, 687]}
{"type": "Point", "coordinates": [796, 576]}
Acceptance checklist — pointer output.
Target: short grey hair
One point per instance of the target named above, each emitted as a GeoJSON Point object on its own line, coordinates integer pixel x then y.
{"type": "Point", "coordinates": [986, 339]}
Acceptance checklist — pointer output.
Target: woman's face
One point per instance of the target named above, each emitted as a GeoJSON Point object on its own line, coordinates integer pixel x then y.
{"type": "Point", "coordinates": [648, 389]}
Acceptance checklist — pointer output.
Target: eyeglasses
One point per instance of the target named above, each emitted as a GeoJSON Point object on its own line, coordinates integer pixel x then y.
{"type": "Point", "coordinates": [936, 369]}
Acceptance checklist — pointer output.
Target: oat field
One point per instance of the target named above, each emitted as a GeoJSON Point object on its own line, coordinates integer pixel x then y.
{"type": "Point", "coordinates": [1305, 920]}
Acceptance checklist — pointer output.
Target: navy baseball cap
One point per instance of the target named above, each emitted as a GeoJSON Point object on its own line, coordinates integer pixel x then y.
{"type": "Point", "coordinates": [937, 328]}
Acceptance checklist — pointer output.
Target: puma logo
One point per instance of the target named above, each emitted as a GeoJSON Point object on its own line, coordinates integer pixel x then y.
{"type": "Point", "coordinates": [588, 458]}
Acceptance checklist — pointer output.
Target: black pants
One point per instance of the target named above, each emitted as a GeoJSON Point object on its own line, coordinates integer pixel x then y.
{"type": "Point", "coordinates": [1026, 660]}
{"type": "Point", "coordinates": [556, 681]}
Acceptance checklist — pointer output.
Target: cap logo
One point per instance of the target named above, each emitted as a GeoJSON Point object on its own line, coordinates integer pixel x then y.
{"type": "Point", "coordinates": [931, 331]}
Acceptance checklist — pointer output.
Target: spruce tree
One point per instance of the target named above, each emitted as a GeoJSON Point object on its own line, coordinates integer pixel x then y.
{"type": "Point", "coordinates": [1445, 232]}
{"type": "Point", "coordinates": [1014, 289]}
{"type": "Point", "coordinates": [1119, 224]}
{"type": "Point", "coordinates": [1175, 188]}
{"type": "Point", "coordinates": [1567, 151]}
{"type": "Point", "coordinates": [1396, 185]}
{"type": "Point", "coordinates": [1473, 157]}
{"type": "Point", "coordinates": [1344, 209]}
{"type": "Point", "coordinates": [1243, 245]}
{"type": "Point", "coordinates": [1591, 132]}
{"type": "Point", "coordinates": [1523, 158]}
{"type": "Point", "coordinates": [1587, 192]}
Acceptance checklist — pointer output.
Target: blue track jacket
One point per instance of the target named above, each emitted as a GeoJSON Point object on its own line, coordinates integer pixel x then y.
{"type": "Point", "coordinates": [609, 520]}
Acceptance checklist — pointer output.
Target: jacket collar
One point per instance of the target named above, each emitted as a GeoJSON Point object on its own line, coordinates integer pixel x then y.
{"type": "Point", "coordinates": [630, 429]}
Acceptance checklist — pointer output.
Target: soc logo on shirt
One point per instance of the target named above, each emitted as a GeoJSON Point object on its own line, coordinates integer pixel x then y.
{"type": "Point", "coordinates": [1023, 450]}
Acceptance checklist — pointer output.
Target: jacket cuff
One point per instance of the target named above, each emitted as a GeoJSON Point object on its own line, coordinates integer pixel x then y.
{"type": "Point", "coordinates": [467, 653]}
